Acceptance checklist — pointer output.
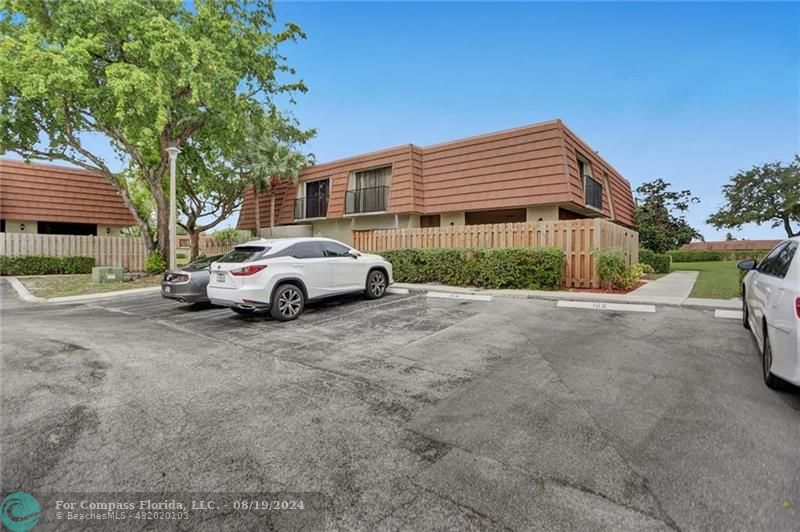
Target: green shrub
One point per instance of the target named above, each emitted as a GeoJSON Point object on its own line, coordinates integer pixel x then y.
{"type": "Point", "coordinates": [609, 264]}
{"type": "Point", "coordinates": [45, 265]}
{"type": "Point", "coordinates": [155, 263]}
{"type": "Point", "coordinates": [532, 268]}
{"type": "Point", "coordinates": [646, 268]}
{"type": "Point", "coordinates": [629, 277]}
{"type": "Point", "coordinates": [660, 262]}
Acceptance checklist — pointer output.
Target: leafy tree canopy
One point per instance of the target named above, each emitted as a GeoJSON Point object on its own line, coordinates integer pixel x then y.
{"type": "Point", "coordinates": [767, 193]}
{"type": "Point", "coordinates": [144, 76]}
{"type": "Point", "coordinates": [660, 216]}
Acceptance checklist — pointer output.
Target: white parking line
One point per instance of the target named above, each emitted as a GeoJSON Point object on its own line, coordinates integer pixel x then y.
{"type": "Point", "coordinates": [397, 291]}
{"type": "Point", "coordinates": [599, 305]}
{"type": "Point", "coordinates": [455, 295]}
{"type": "Point", "coordinates": [728, 314]}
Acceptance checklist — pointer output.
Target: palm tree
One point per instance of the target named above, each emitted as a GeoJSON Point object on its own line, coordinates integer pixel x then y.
{"type": "Point", "coordinates": [266, 163]}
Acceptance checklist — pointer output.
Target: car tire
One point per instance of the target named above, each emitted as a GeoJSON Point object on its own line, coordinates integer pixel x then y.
{"type": "Point", "coordinates": [243, 311]}
{"type": "Point", "coordinates": [376, 284]}
{"type": "Point", "coordinates": [287, 303]}
{"type": "Point", "coordinates": [745, 312]}
{"type": "Point", "coordinates": [766, 362]}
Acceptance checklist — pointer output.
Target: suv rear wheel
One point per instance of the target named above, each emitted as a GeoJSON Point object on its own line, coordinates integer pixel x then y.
{"type": "Point", "coordinates": [287, 303]}
{"type": "Point", "coordinates": [376, 284]}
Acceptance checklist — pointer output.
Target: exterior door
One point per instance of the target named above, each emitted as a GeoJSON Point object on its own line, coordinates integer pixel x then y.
{"type": "Point", "coordinates": [315, 268]}
{"type": "Point", "coordinates": [348, 271]}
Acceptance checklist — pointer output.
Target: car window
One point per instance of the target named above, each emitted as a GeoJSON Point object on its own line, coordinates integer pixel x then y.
{"type": "Point", "coordinates": [244, 254]}
{"type": "Point", "coordinates": [765, 265]}
{"type": "Point", "coordinates": [308, 250]}
{"type": "Point", "coordinates": [335, 249]}
{"type": "Point", "coordinates": [202, 263]}
{"type": "Point", "coordinates": [782, 261]}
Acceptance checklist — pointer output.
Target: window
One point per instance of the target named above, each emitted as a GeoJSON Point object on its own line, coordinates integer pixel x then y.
{"type": "Point", "coordinates": [378, 177]}
{"type": "Point", "coordinates": [430, 220]}
{"type": "Point", "coordinates": [202, 263]}
{"type": "Point", "coordinates": [765, 265]}
{"type": "Point", "coordinates": [314, 203]}
{"type": "Point", "coordinates": [335, 249]}
{"type": "Point", "coordinates": [245, 254]}
{"type": "Point", "coordinates": [778, 260]}
{"type": "Point", "coordinates": [308, 250]}
{"type": "Point", "coordinates": [369, 191]}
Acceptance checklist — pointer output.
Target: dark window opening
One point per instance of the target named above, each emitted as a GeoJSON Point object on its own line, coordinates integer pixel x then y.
{"type": "Point", "coordinates": [2, 226]}
{"type": "Point", "coordinates": [564, 214]}
{"type": "Point", "coordinates": [315, 202]}
{"type": "Point", "coordinates": [430, 220]}
{"type": "Point", "coordinates": [66, 228]}
{"type": "Point", "coordinates": [593, 191]}
{"type": "Point", "coordinates": [505, 216]}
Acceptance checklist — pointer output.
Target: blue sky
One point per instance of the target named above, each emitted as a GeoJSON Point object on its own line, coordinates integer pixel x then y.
{"type": "Point", "coordinates": [687, 92]}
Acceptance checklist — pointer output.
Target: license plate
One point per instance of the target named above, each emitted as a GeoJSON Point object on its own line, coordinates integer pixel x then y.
{"type": "Point", "coordinates": [221, 277]}
{"type": "Point", "coordinates": [167, 289]}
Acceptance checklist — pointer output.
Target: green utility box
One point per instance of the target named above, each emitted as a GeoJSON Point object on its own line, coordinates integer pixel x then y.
{"type": "Point", "coordinates": [107, 274]}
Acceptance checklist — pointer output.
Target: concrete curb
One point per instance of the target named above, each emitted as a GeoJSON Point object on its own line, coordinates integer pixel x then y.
{"type": "Point", "coordinates": [688, 302]}
{"type": "Point", "coordinates": [25, 295]}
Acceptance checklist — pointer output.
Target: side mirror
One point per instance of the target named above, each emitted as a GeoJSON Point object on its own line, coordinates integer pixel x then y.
{"type": "Point", "coordinates": [353, 253]}
{"type": "Point", "coordinates": [749, 264]}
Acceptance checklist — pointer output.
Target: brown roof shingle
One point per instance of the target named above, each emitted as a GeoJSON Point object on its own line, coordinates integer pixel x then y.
{"type": "Point", "coordinates": [45, 192]}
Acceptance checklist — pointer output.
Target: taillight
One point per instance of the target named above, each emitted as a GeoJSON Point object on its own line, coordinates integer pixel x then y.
{"type": "Point", "coordinates": [797, 306]}
{"type": "Point", "coordinates": [248, 270]}
{"type": "Point", "coordinates": [175, 277]}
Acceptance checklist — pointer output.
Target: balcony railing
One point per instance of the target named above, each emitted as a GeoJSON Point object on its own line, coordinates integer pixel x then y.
{"type": "Point", "coordinates": [361, 200]}
{"type": "Point", "coordinates": [311, 207]}
{"type": "Point", "coordinates": [593, 191]}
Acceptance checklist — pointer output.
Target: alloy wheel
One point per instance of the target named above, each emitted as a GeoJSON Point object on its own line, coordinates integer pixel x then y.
{"type": "Point", "coordinates": [290, 302]}
{"type": "Point", "coordinates": [377, 284]}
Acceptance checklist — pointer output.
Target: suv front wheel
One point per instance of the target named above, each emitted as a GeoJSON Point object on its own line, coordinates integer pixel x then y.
{"type": "Point", "coordinates": [376, 284]}
{"type": "Point", "coordinates": [288, 303]}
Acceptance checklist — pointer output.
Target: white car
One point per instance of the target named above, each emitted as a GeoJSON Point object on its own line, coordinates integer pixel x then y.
{"type": "Point", "coordinates": [283, 274]}
{"type": "Point", "coordinates": [771, 310]}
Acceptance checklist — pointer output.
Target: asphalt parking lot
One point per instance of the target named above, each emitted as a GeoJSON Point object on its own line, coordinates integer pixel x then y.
{"type": "Point", "coordinates": [409, 413]}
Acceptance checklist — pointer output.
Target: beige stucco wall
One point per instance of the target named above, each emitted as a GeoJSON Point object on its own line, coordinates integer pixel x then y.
{"type": "Point", "coordinates": [545, 212]}
{"type": "Point", "coordinates": [454, 218]}
{"type": "Point", "coordinates": [342, 229]}
{"type": "Point", "coordinates": [109, 230]}
{"type": "Point", "coordinates": [15, 226]}
{"type": "Point", "coordinates": [286, 231]}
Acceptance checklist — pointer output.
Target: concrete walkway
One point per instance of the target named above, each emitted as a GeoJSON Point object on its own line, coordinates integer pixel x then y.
{"type": "Point", "coordinates": [675, 286]}
{"type": "Point", "coordinates": [673, 289]}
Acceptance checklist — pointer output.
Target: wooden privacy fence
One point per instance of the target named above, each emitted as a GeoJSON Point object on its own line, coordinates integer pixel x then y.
{"type": "Point", "coordinates": [128, 252]}
{"type": "Point", "coordinates": [576, 238]}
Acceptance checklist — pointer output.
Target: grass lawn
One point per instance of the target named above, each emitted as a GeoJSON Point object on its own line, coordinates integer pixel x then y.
{"type": "Point", "coordinates": [717, 279]}
{"type": "Point", "coordinates": [74, 285]}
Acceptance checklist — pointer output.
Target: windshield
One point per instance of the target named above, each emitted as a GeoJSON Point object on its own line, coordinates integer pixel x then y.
{"type": "Point", "coordinates": [244, 254]}
{"type": "Point", "coordinates": [201, 263]}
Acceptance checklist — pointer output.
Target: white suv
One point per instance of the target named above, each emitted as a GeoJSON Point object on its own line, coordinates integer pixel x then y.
{"type": "Point", "coordinates": [283, 274]}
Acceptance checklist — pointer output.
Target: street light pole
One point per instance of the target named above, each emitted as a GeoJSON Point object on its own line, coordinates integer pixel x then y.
{"type": "Point", "coordinates": [173, 217]}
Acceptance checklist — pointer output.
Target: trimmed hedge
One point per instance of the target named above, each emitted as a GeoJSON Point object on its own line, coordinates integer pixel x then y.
{"type": "Point", "coordinates": [531, 268]}
{"type": "Point", "coordinates": [698, 255]}
{"type": "Point", "coordinates": [44, 265]}
{"type": "Point", "coordinates": [660, 262]}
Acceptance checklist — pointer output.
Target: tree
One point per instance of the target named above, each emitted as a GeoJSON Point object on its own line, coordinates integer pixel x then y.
{"type": "Point", "coordinates": [265, 163]}
{"type": "Point", "coordinates": [769, 193]}
{"type": "Point", "coordinates": [660, 216]}
{"type": "Point", "coordinates": [143, 76]}
{"type": "Point", "coordinates": [729, 237]}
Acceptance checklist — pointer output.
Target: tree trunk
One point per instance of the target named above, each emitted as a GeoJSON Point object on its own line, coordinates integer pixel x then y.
{"type": "Point", "coordinates": [258, 211]}
{"type": "Point", "coordinates": [194, 243]}
{"type": "Point", "coordinates": [788, 227]}
{"type": "Point", "coordinates": [162, 221]}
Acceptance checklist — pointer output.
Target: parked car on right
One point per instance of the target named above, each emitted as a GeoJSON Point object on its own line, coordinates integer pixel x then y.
{"type": "Point", "coordinates": [771, 310]}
